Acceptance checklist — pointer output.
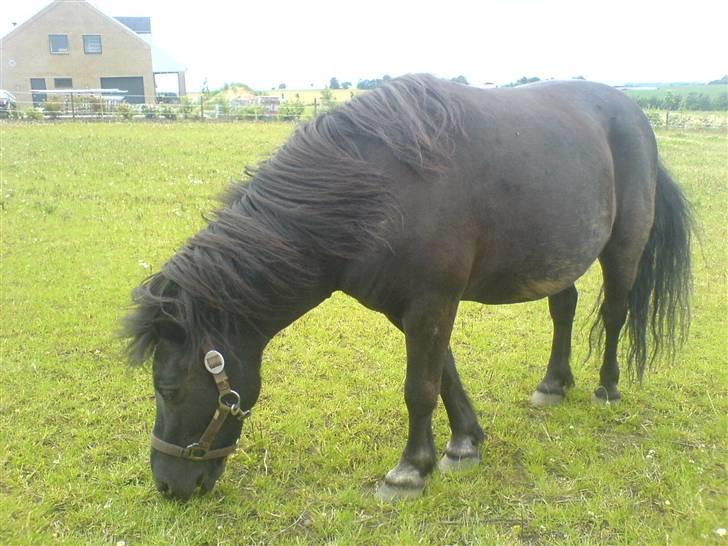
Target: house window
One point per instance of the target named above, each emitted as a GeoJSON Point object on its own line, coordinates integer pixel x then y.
{"type": "Point", "coordinates": [63, 83]}
{"type": "Point", "coordinates": [38, 84]}
{"type": "Point", "coordinates": [92, 44]}
{"type": "Point", "coordinates": [58, 43]}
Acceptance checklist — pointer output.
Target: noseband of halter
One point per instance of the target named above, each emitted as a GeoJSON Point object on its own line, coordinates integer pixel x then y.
{"type": "Point", "coordinates": [228, 403]}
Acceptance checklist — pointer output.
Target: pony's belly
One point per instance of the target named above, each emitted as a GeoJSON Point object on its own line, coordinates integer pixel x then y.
{"type": "Point", "coordinates": [528, 284]}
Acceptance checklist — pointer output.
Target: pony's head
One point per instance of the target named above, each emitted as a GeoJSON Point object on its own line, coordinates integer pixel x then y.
{"type": "Point", "coordinates": [206, 377]}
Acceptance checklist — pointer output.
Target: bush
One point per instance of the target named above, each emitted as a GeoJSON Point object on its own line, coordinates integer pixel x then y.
{"type": "Point", "coordinates": [250, 112]}
{"type": "Point", "coordinates": [291, 110]}
{"type": "Point", "coordinates": [328, 103]}
{"type": "Point", "coordinates": [150, 111]}
{"type": "Point", "coordinates": [168, 112]}
{"type": "Point", "coordinates": [187, 108]}
{"type": "Point", "coordinates": [125, 111]}
{"type": "Point", "coordinates": [34, 114]}
{"type": "Point", "coordinates": [97, 105]}
{"type": "Point", "coordinates": [657, 119]}
{"type": "Point", "coordinates": [222, 106]}
{"type": "Point", "coordinates": [720, 102]}
{"type": "Point", "coordinates": [53, 107]}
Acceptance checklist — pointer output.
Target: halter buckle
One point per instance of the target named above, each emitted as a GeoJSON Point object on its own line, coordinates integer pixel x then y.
{"type": "Point", "coordinates": [214, 362]}
{"type": "Point", "coordinates": [195, 451]}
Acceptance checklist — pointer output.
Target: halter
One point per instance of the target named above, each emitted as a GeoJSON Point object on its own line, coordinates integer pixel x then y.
{"type": "Point", "coordinates": [228, 403]}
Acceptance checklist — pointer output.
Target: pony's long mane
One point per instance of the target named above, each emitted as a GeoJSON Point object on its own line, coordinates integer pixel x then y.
{"type": "Point", "coordinates": [316, 200]}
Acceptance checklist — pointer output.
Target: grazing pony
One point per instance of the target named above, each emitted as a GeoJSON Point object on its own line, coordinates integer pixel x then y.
{"type": "Point", "coordinates": [412, 198]}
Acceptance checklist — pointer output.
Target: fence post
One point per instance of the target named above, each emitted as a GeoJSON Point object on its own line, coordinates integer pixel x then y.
{"type": "Point", "coordinates": [73, 107]}
{"type": "Point", "coordinates": [315, 106]}
{"type": "Point", "coordinates": [202, 107]}
{"type": "Point", "coordinates": [667, 119]}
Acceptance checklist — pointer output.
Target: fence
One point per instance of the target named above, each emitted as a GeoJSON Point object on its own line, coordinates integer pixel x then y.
{"type": "Point", "coordinates": [38, 106]}
{"type": "Point", "coordinates": [98, 106]}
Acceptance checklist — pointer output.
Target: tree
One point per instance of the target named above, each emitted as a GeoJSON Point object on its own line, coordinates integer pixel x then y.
{"type": "Point", "coordinates": [372, 84]}
{"type": "Point", "coordinates": [720, 102]}
{"type": "Point", "coordinates": [460, 79]}
{"type": "Point", "coordinates": [327, 100]}
{"type": "Point", "coordinates": [524, 80]}
{"type": "Point", "coordinates": [671, 102]}
{"type": "Point", "coordinates": [334, 83]}
{"type": "Point", "coordinates": [282, 86]}
{"type": "Point", "coordinates": [346, 85]}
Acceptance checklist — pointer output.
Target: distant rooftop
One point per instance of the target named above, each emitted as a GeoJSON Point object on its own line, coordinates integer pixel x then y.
{"type": "Point", "coordinates": [140, 25]}
{"type": "Point", "coordinates": [161, 61]}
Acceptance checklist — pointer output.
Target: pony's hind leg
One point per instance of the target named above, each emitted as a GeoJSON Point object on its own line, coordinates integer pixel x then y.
{"type": "Point", "coordinates": [558, 378]}
{"type": "Point", "coordinates": [618, 281]}
{"type": "Point", "coordinates": [463, 449]}
{"type": "Point", "coordinates": [620, 264]}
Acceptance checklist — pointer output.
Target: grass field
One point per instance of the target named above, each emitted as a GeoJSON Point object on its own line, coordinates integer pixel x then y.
{"type": "Point", "coordinates": [660, 91]}
{"type": "Point", "coordinates": [89, 210]}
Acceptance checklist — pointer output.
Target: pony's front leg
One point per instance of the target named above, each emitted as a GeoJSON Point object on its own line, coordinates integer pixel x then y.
{"type": "Point", "coordinates": [463, 449]}
{"type": "Point", "coordinates": [427, 328]}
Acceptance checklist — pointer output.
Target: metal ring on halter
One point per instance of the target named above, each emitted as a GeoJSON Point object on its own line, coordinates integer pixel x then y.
{"type": "Point", "coordinates": [223, 403]}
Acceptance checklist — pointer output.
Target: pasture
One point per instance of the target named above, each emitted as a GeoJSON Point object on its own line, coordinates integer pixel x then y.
{"type": "Point", "coordinates": [678, 89]}
{"type": "Point", "coordinates": [88, 211]}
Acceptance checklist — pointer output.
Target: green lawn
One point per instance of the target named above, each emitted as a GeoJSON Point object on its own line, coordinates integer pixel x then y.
{"type": "Point", "coordinates": [89, 210]}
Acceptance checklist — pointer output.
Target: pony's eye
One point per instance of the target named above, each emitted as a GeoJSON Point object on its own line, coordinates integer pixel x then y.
{"type": "Point", "coordinates": [168, 394]}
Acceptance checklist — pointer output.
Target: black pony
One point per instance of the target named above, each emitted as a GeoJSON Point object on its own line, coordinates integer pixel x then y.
{"type": "Point", "coordinates": [411, 198]}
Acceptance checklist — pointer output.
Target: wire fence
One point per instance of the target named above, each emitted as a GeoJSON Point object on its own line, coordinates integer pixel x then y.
{"type": "Point", "coordinates": [57, 105]}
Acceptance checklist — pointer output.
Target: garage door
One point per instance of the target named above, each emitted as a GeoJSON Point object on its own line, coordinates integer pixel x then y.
{"type": "Point", "coordinates": [134, 87]}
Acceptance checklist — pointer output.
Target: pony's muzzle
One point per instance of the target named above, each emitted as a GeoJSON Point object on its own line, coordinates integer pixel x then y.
{"type": "Point", "coordinates": [180, 478]}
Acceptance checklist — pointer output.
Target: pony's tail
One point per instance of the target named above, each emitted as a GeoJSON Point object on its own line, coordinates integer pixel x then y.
{"type": "Point", "coordinates": [659, 302]}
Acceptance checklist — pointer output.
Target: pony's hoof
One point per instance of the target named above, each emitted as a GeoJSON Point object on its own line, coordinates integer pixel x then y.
{"type": "Point", "coordinates": [391, 493]}
{"type": "Point", "coordinates": [602, 397]}
{"type": "Point", "coordinates": [402, 482]}
{"type": "Point", "coordinates": [450, 464]}
{"type": "Point", "coordinates": [541, 399]}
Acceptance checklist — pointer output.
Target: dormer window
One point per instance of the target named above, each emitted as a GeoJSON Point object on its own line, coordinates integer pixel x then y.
{"type": "Point", "coordinates": [58, 44]}
{"type": "Point", "coordinates": [92, 44]}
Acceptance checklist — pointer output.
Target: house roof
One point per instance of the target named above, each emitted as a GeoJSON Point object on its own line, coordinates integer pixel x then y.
{"type": "Point", "coordinates": [84, 3]}
{"type": "Point", "coordinates": [161, 61]}
{"type": "Point", "coordinates": [140, 25]}
{"type": "Point", "coordinates": [38, 14]}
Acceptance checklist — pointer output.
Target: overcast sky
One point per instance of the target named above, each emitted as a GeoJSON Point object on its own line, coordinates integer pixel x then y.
{"type": "Point", "coordinates": [268, 42]}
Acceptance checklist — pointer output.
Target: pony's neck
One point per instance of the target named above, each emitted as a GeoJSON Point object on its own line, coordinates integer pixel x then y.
{"type": "Point", "coordinates": [255, 272]}
{"type": "Point", "coordinates": [291, 310]}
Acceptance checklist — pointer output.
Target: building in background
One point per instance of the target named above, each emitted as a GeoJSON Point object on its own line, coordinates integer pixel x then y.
{"type": "Point", "coordinates": [73, 45]}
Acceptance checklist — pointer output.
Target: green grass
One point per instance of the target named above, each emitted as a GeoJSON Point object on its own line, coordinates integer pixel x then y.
{"type": "Point", "coordinates": [689, 119]}
{"type": "Point", "coordinates": [660, 91]}
{"type": "Point", "coordinates": [89, 210]}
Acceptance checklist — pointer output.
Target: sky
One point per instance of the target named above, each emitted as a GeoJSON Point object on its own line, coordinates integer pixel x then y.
{"type": "Point", "coordinates": [268, 42]}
